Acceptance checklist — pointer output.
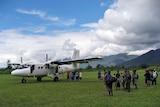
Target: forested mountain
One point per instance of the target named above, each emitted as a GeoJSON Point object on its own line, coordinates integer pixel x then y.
{"type": "Point", "coordinates": [150, 58]}
{"type": "Point", "coordinates": [110, 60]}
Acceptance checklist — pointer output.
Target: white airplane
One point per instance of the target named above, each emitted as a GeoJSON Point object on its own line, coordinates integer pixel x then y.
{"type": "Point", "coordinates": [52, 69]}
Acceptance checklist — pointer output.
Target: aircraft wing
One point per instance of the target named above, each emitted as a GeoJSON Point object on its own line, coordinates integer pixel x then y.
{"type": "Point", "coordinates": [82, 60]}
{"type": "Point", "coordinates": [15, 64]}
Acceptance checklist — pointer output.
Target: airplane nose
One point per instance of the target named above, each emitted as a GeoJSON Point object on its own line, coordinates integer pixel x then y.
{"type": "Point", "coordinates": [16, 72]}
{"type": "Point", "coordinates": [13, 72]}
{"type": "Point", "coordinates": [21, 72]}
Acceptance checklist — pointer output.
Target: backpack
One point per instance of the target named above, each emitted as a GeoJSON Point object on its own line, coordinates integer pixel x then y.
{"type": "Point", "coordinates": [110, 80]}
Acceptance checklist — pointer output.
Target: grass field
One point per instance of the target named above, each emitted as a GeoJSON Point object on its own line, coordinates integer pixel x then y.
{"type": "Point", "coordinates": [89, 92]}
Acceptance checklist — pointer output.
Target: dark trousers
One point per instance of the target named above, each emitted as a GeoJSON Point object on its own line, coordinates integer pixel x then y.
{"type": "Point", "coordinates": [154, 81]}
{"type": "Point", "coordinates": [128, 86]}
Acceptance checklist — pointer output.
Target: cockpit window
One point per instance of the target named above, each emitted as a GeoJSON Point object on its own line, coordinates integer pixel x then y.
{"type": "Point", "coordinates": [23, 66]}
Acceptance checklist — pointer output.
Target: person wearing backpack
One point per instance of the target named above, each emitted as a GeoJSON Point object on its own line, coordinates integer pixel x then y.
{"type": "Point", "coordinates": [108, 83]}
{"type": "Point", "coordinates": [147, 77]}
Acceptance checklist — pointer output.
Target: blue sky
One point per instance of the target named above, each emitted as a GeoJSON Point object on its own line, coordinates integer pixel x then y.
{"type": "Point", "coordinates": [33, 28]}
{"type": "Point", "coordinates": [55, 14]}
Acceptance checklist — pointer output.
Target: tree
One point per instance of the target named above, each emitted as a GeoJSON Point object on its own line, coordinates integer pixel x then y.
{"type": "Point", "coordinates": [143, 66]}
{"type": "Point", "coordinates": [89, 66]}
{"type": "Point", "coordinates": [9, 66]}
{"type": "Point", "coordinates": [98, 66]}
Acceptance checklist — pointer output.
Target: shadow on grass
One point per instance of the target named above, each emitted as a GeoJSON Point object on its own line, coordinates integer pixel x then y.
{"type": "Point", "coordinates": [34, 81]}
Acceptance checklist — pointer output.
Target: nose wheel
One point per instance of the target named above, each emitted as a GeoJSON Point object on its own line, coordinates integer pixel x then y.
{"type": "Point", "coordinates": [23, 80]}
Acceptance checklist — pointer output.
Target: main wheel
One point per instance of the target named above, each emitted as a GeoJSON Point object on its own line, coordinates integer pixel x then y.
{"type": "Point", "coordinates": [55, 79]}
{"type": "Point", "coordinates": [39, 78]}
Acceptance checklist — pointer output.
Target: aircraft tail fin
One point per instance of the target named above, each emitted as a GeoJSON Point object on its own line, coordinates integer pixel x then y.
{"type": "Point", "coordinates": [76, 54]}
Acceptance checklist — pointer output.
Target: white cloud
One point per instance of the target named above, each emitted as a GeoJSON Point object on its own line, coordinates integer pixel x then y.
{"type": "Point", "coordinates": [139, 52]}
{"type": "Point", "coordinates": [90, 25]}
{"type": "Point", "coordinates": [68, 22]}
{"type": "Point", "coordinates": [127, 26]}
{"type": "Point", "coordinates": [32, 12]}
{"type": "Point", "coordinates": [34, 29]}
{"type": "Point", "coordinates": [43, 15]}
{"type": "Point", "coordinates": [14, 44]}
{"type": "Point", "coordinates": [102, 4]}
{"type": "Point", "coordinates": [133, 25]}
{"type": "Point", "coordinates": [52, 18]}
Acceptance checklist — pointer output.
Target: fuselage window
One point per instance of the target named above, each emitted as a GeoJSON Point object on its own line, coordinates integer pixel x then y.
{"type": "Point", "coordinates": [38, 67]}
{"type": "Point", "coordinates": [47, 66]}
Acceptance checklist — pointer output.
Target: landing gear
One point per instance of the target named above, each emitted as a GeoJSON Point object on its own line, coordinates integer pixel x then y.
{"type": "Point", "coordinates": [39, 78]}
{"type": "Point", "coordinates": [23, 80]}
{"type": "Point", "coordinates": [54, 76]}
{"type": "Point", "coordinates": [56, 79]}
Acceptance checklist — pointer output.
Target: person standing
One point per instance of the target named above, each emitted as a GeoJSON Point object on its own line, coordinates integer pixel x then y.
{"type": "Point", "coordinates": [71, 75]}
{"type": "Point", "coordinates": [80, 75]}
{"type": "Point", "coordinates": [77, 75]}
{"type": "Point", "coordinates": [99, 74]}
{"type": "Point", "coordinates": [118, 80]}
{"type": "Point", "coordinates": [68, 73]}
{"type": "Point", "coordinates": [74, 75]}
{"type": "Point", "coordinates": [154, 75]}
{"type": "Point", "coordinates": [135, 78]}
{"type": "Point", "coordinates": [147, 78]}
{"type": "Point", "coordinates": [128, 80]}
{"type": "Point", "coordinates": [108, 83]}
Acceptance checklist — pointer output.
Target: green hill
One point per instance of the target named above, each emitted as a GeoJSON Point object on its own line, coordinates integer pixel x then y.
{"type": "Point", "coordinates": [150, 58]}
{"type": "Point", "coordinates": [111, 60]}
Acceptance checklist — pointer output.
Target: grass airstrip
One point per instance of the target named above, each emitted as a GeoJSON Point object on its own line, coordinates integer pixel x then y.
{"type": "Point", "coordinates": [88, 92]}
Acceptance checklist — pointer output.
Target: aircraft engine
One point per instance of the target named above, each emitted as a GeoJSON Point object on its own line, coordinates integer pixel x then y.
{"type": "Point", "coordinates": [50, 65]}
